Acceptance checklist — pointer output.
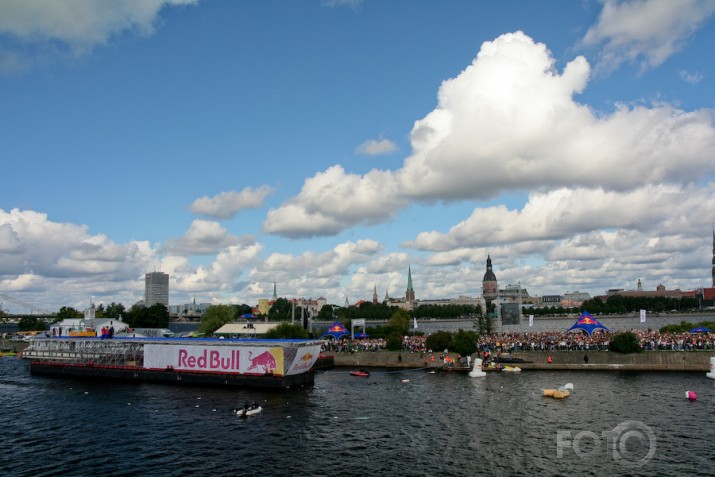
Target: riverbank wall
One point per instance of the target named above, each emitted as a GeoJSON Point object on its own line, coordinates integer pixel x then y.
{"type": "Point", "coordinates": [694, 361]}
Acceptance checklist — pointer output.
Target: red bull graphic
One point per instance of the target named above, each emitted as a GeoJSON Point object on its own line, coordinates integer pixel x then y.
{"type": "Point", "coordinates": [265, 360]}
{"type": "Point", "coordinates": [212, 358]}
{"type": "Point", "coordinates": [588, 324]}
{"type": "Point", "coordinates": [304, 360]}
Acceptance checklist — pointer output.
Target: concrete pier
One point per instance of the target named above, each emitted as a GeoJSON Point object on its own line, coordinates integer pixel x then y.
{"type": "Point", "coordinates": [696, 361]}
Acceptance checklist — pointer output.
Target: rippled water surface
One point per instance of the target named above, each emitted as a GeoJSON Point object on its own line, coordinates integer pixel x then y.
{"type": "Point", "coordinates": [436, 424]}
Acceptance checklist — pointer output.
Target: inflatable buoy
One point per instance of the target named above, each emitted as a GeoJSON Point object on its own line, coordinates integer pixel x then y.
{"type": "Point", "coordinates": [691, 395]}
{"type": "Point", "coordinates": [560, 393]}
{"type": "Point", "coordinates": [477, 371]}
{"type": "Point", "coordinates": [711, 374]}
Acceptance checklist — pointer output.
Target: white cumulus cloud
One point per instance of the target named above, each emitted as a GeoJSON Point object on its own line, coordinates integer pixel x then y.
{"type": "Point", "coordinates": [76, 26]}
{"type": "Point", "coordinates": [227, 204]}
{"type": "Point", "coordinates": [373, 147]}
{"type": "Point", "coordinates": [510, 122]}
{"type": "Point", "coordinates": [645, 32]}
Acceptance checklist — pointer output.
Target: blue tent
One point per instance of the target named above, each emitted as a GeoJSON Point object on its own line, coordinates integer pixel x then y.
{"type": "Point", "coordinates": [701, 329]}
{"type": "Point", "coordinates": [248, 316]}
{"type": "Point", "coordinates": [336, 330]}
{"type": "Point", "coordinates": [587, 323]}
{"type": "Point", "coordinates": [361, 335]}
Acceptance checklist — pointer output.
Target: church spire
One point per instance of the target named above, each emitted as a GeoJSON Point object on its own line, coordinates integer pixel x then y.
{"type": "Point", "coordinates": [410, 295]}
{"type": "Point", "coordinates": [374, 295]}
{"type": "Point", "coordinates": [275, 294]}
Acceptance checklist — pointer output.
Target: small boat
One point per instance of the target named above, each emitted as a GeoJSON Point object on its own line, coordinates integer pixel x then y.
{"type": "Point", "coordinates": [511, 369]}
{"type": "Point", "coordinates": [361, 373]}
{"type": "Point", "coordinates": [248, 412]}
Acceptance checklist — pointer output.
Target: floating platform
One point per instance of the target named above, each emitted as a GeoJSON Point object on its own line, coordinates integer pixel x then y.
{"type": "Point", "coordinates": [268, 364]}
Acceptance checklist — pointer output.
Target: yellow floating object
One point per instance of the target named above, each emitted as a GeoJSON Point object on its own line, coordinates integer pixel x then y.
{"type": "Point", "coordinates": [559, 395]}
{"type": "Point", "coordinates": [549, 392]}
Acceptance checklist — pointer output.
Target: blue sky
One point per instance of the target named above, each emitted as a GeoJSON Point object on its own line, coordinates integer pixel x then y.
{"type": "Point", "coordinates": [327, 145]}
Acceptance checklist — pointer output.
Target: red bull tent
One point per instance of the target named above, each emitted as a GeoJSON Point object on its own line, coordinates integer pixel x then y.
{"type": "Point", "coordinates": [587, 323]}
{"type": "Point", "coordinates": [336, 330]}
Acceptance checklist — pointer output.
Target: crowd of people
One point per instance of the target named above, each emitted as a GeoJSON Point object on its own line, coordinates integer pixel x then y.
{"type": "Point", "coordinates": [354, 345]}
{"type": "Point", "coordinates": [541, 341]}
{"type": "Point", "coordinates": [554, 341]}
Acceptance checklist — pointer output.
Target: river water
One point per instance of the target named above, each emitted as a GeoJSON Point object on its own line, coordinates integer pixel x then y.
{"type": "Point", "coordinates": [437, 424]}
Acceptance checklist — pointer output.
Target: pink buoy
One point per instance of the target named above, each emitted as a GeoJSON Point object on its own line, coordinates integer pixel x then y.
{"type": "Point", "coordinates": [691, 395]}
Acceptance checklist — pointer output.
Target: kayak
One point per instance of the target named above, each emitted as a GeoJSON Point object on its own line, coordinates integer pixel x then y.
{"type": "Point", "coordinates": [360, 373]}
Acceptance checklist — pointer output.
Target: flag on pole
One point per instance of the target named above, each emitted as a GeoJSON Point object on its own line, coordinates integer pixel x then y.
{"type": "Point", "coordinates": [531, 320]}
{"type": "Point", "coordinates": [414, 322]}
{"type": "Point", "coordinates": [642, 316]}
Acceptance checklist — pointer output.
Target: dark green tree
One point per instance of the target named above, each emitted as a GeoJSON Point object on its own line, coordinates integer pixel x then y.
{"type": "Point", "coordinates": [626, 342]}
{"type": "Point", "coordinates": [465, 342]}
{"type": "Point", "coordinates": [30, 323]}
{"type": "Point", "coordinates": [67, 312]}
{"type": "Point", "coordinates": [439, 341]}
{"type": "Point", "coordinates": [326, 313]}
{"type": "Point", "coordinates": [243, 309]}
{"type": "Point", "coordinates": [281, 310]}
{"type": "Point", "coordinates": [400, 321]}
{"type": "Point", "coordinates": [287, 330]}
{"type": "Point", "coordinates": [114, 310]}
{"type": "Point", "coordinates": [156, 316]}
{"type": "Point", "coordinates": [215, 317]}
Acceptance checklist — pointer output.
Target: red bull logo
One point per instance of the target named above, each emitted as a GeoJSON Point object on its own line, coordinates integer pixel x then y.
{"type": "Point", "coordinates": [265, 360]}
{"type": "Point", "coordinates": [337, 328]}
{"type": "Point", "coordinates": [306, 357]}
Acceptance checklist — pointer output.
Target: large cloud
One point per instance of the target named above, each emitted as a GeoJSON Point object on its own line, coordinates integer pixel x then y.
{"type": "Point", "coordinates": [65, 264]}
{"type": "Point", "coordinates": [562, 213]}
{"type": "Point", "coordinates": [647, 32]}
{"type": "Point", "coordinates": [333, 200]}
{"type": "Point", "coordinates": [509, 122]}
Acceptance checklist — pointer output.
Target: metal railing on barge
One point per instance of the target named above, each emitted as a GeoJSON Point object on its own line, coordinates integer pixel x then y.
{"type": "Point", "coordinates": [110, 352]}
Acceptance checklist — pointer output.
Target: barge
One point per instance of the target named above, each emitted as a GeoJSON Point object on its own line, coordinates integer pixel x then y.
{"type": "Point", "coordinates": [260, 363]}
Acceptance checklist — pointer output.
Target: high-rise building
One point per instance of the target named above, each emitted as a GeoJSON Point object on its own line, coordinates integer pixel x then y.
{"type": "Point", "coordinates": [156, 289]}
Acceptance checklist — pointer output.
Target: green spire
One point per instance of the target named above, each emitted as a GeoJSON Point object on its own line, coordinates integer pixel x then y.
{"type": "Point", "coordinates": [409, 278]}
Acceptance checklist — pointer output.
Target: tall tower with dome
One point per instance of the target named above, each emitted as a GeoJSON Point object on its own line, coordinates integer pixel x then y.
{"type": "Point", "coordinates": [490, 287]}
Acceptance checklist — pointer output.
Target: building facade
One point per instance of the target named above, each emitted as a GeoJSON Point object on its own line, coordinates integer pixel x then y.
{"type": "Point", "coordinates": [156, 289]}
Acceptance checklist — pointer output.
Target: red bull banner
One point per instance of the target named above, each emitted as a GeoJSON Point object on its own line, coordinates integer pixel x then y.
{"type": "Point", "coordinates": [304, 359]}
{"type": "Point", "coordinates": [220, 359]}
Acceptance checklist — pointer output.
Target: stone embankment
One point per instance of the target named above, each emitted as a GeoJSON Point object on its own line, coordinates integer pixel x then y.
{"type": "Point", "coordinates": [560, 360]}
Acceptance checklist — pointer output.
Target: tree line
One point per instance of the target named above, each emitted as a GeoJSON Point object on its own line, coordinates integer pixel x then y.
{"type": "Point", "coordinates": [618, 304]}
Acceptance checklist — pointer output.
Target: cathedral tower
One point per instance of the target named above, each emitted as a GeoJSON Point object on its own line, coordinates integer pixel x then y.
{"type": "Point", "coordinates": [490, 288]}
{"type": "Point", "coordinates": [410, 294]}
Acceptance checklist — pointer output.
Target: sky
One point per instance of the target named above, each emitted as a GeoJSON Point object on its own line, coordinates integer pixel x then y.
{"type": "Point", "coordinates": [328, 145]}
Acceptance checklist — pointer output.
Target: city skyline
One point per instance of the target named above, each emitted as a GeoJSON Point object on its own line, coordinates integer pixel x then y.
{"type": "Point", "coordinates": [234, 145]}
